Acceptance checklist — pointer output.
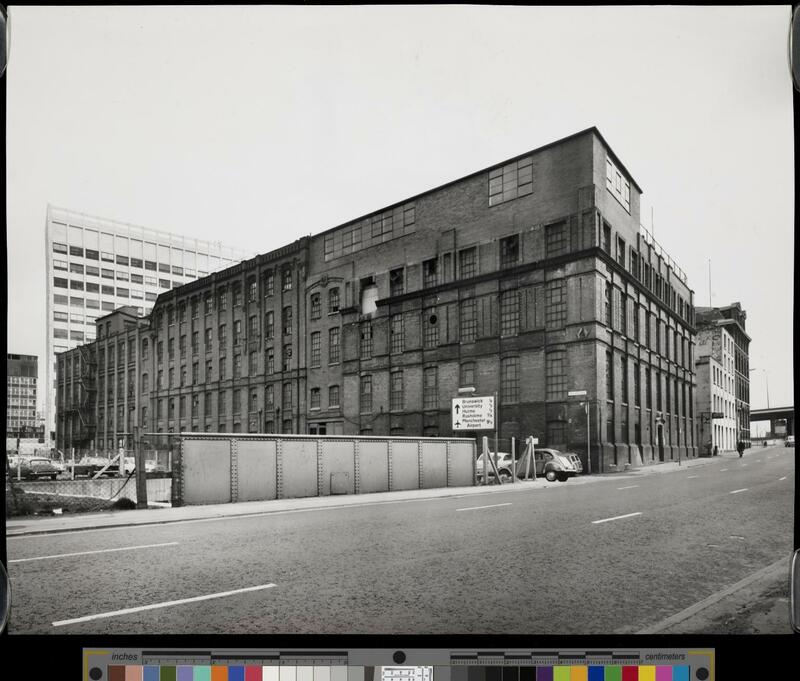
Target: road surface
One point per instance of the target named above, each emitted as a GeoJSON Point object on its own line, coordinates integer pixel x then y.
{"type": "Point", "coordinates": [621, 553]}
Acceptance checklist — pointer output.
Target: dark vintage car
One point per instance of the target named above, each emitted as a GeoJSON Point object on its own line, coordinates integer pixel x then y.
{"type": "Point", "coordinates": [549, 463]}
{"type": "Point", "coordinates": [33, 468]}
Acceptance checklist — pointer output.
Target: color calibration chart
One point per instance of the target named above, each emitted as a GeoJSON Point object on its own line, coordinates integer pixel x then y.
{"type": "Point", "coordinates": [662, 664]}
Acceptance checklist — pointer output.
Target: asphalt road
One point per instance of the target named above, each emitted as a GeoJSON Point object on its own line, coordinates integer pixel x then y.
{"type": "Point", "coordinates": [555, 560]}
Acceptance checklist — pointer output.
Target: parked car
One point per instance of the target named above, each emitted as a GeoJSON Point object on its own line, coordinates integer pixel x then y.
{"type": "Point", "coordinates": [33, 468]}
{"type": "Point", "coordinates": [789, 441]}
{"type": "Point", "coordinates": [89, 466]}
{"type": "Point", "coordinates": [550, 463]}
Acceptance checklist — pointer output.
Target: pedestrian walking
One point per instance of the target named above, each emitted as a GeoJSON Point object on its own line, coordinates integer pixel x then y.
{"type": "Point", "coordinates": [716, 450]}
{"type": "Point", "coordinates": [740, 448]}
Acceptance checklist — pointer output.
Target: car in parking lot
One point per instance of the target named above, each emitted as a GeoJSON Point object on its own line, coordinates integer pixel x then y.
{"type": "Point", "coordinates": [552, 464]}
{"type": "Point", "coordinates": [789, 441]}
{"type": "Point", "coordinates": [33, 468]}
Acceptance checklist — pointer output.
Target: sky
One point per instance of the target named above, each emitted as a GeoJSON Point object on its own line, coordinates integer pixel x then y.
{"type": "Point", "coordinates": [258, 125]}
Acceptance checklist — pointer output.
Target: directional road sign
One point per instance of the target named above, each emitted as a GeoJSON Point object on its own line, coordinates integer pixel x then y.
{"type": "Point", "coordinates": [473, 413]}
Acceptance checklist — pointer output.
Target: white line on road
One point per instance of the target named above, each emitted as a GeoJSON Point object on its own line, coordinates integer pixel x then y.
{"type": "Point", "coordinates": [618, 517]}
{"type": "Point", "coordinates": [166, 604]}
{"type": "Point", "coordinates": [86, 553]}
{"type": "Point", "coordinates": [744, 464]}
{"type": "Point", "coordinates": [475, 508]}
{"type": "Point", "coordinates": [736, 491]}
{"type": "Point", "coordinates": [783, 478]}
{"type": "Point", "coordinates": [722, 470]}
{"type": "Point", "coordinates": [628, 487]}
{"type": "Point", "coordinates": [692, 476]}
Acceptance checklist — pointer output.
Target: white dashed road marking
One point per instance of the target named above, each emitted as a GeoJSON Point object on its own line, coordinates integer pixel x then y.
{"type": "Point", "coordinates": [475, 508]}
{"type": "Point", "coordinates": [628, 487]}
{"type": "Point", "coordinates": [618, 517]}
{"type": "Point", "coordinates": [87, 553]}
{"type": "Point", "coordinates": [736, 491]}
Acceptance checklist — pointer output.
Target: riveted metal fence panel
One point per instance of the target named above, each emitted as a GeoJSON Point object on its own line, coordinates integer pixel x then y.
{"type": "Point", "coordinates": [258, 470]}
{"type": "Point", "coordinates": [461, 464]}
{"type": "Point", "coordinates": [299, 469]}
{"type": "Point", "coordinates": [373, 466]}
{"type": "Point", "coordinates": [338, 467]}
{"type": "Point", "coordinates": [206, 471]}
{"type": "Point", "coordinates": [434, 464]}
{"type": "Point", "coordinates": [405, 463]}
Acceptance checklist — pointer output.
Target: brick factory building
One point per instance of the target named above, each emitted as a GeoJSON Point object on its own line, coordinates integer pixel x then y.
{"type": "Point", "coordinates": [531, 279]}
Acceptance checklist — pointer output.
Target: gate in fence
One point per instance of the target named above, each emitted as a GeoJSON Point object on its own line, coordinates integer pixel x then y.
{"type": "Point", "coordinates": [224, 468]}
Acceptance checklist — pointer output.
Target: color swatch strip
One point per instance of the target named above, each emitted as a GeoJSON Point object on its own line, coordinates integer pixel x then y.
{"type": "Point", "coordinates": [539, 673]}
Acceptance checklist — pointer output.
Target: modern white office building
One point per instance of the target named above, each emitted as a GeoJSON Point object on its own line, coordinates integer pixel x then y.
{"type": "Point", "coordinates": [96, 265]}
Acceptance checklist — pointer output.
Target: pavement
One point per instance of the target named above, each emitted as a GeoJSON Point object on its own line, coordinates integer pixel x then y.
{"type": "Point", "coordinates": [728, 574]}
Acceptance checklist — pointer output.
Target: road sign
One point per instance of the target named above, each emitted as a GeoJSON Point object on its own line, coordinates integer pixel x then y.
{"type": "Point", "coordinates": [717, 415]}
{"type": "Point", "coordinates": [576, 393]}
{"type": "Point", "coordinates": [473, 413]}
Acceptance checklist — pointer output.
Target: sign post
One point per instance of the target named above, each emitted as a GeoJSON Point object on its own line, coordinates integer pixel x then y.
{"type": "Point", "coordinates": [475, 413]}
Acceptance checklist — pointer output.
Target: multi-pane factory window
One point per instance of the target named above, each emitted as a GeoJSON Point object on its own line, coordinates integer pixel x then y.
{"type": "Point", "coordinates": [333, 396]}
{"type": "Point", "coordinates": [430, 388]}
{"type": "Point", "coordinates": [429, 272]}
{"type": "Point", "coordinates": [316, 350]}
{"type": "Point", "coordinates": [469, 320]}
{"type": "Point", "coordinates": [397, 333]}
{"type": "Point", "coordinates": [182, 312]}
{"type": "Point", "coordinates": [269, 325]}
{"type": "Point", "coordinates": [430, 328]}
{"type": "Point", "coordinates": [648, 387]}
{"type": "Point", "coordinates": [237, 401]}
{"type": "Point", "coordinates": [636, 323]}
{"type": "Point", "coordinates": [621, 251]}
{"type": "Point", "coordinates": [253, 328]}
{"type": "Point", "coordinates": [145, 384]}
{"type": "Point", "coordinates": [333, 300]}
{"type": "Point", "coordinates": [396, 282]}
{"type": "Point", "coordinates": [222, 335]}
{"type": "Point", "coordinates": [637, 394]}
{"type": "Point", "coordinates": [251, 290]}
{"type": "Point", "coordinates": [209, 370]}
{"type": "Point", "coordinates": [667, 394]}
{"type": "Point", "coordinates": [606, 237]}
{"type": "Point", "coordinates": [269, 283]}
{"type": "Point", "coordinates": [657, 377]}
{"type": "Point", "coordinates": [269, 397]}
{"type": "Point", "coordinates": [287, 357]}
{"type": "Point", "coordinates": [207, 339]}
{"type": "Point", "coordinates": [509, 380]}
{"type": "Point", "coordinates": [195, 342]}
{"type": "Point", "coordinates": [222, 403]}
{"type": "Point", "coordinates": [623, 425]}
{"type": "Point", "coordinates": [286, 275]}
{"type": "Point", "coordinates": [555, 239]}
{"type": "Point", "coordinates": [509, 251]}
{"type": "Point", "coordinates": [183, 375]}
{"type": "Point", "coordinates": [555, 311]}
{"type": "Point", "coordinates": [208, 304]}
{"type": "Point", "coordinates": [623, 313]}
{"type": "Point", "coordinates": [144, 416]}
{"type": "Point", "coordinates": [509, 313]}
{"type": "Point", "coordinates": [145, 349]}
{"type": "Point", "coordinates": [171, 348]}
{"type": "Point", "coordinates": [365, 395]}
{"type": "Point", "coordinates": [467, 263]}
{"type": "Point", "coordinates": [366, 340]}
{"type": "Point", "coordinates": [396, 391]}
{"type": "Point", "coordinates": [196, 372]}
{"type": "Point", "coordinates": [333, 345]}
{"type": "Point", "coordinates": [253, 405]}
{"type": "Point", "coordinates": [237, 366]}
{"type": "Point", "coordinates": [511, 181]}
{"type": "Point", "coordinates": [171, 383]}
{"type": "Point", "coordinates": [252, 368]}
{"type": "Point", "coordinates": [222, 299]}
{"type": "Point", "coordinates": [287, 320]}
{"type": "Point", "coordinates": [160, 380]}
{"type": "Point", "coordinates": [467, 375]}
{"type": "Point", "coordinates": [315, 400]}
{"type": "Point", "coordinates": [171, 414]}
{"type": "Point", "coordinates": [237, 332]}
{"type": "Point", "coordinates": [316, 306]}
{"type": "Point", "coordinates": [207, 405]}
{"type": "Point", "coordinates": [237, 295]}
{"type": "Point", "coordinates": [556, 375]}
{"type": "Point", "coordinates": [623, 374]}
{"type": "Point", "coordinates": [609, 377]}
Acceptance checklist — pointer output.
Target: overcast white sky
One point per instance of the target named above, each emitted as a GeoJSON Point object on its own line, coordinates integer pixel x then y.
{"type": "Point", "coordinates": [255, 126]}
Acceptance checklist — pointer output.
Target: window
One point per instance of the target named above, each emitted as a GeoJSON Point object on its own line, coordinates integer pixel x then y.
{"type": "Point", "coordinates": [208, 304]}
{"type": "Point", "coordinates": [509, 251]}
{"type": "Point", "coordinates": [316, 306]}
{"type": "Point", "coordinates": [607, 238]}
{"type": "Point", "coordinates": [207, 340]}
{"type": "Point", "coordinates": [637, 396]}
{"type": "Point", "coordinates": [469, 320]}
{"type": "Point", "coordinates": [237, 401]}
{"type": "Point", "coordinates": [658, 390]}
{"type": "Point", "coordinates": [555, 310]}
{"type": "Point", "coordinates": [396, 282]}
{"type": "Point", "coordinates": [269, 283]}
{"type": "Point", "coordinates": [195, 342]}
{"type": "Point", "coordinates": [286, 279]}
{"type": "Point", "coordinates": [171, 378]}
{"type": "Point", "coordinates": [509, 313]}
{"type": "Point", "coordinates": [251, 290]}
{"type": "Point", "coordinates": [429, 272]}
{"type": "Point", "coordinates": [287, 357]}
{"type": "Point", "coordinates": [59, 248]}
{"type": "Point", "coordinates": [237, 332]}
{"type": "Point", "coordinates": [60, 265]}
{"type": "Point", "coordinates": [556, 375]}
{"type": "Point", "coordinates": [237, 366]}
{"type": "Point", "coordinates": [269, 397]}
{"type": "Point", "coordinates": [511, 181]}
{"type": "Point", "coordinates": [636, 323]}
{"type": "Point", "coordinates": [621, 251]}
{"type": "Point", "coordinates": [75, 268]}
{"type": "Point", "coordinates": [623, 368]}
{"type": "Point", "coordinates": [623, 314]}
{"type": "Point", "coordinates": [77, 285]}
{"type": "Point", "coordinates": [609, 377]}
{"type": "Point", "coordinates": [287, 396]}
{"type": "Point", "coordinates": [195, 405]}
{"type": "Point", "coordinates": [430, 387]}
{"type": "Point", "coordinates": [467, 375]}
{"type": "Point", "coordinates": [237, 295]}
{"type": "Point", "coordinates": [333, 300]}
{"type": "Point", "coordinates": [253, 329]}
{"type": "Point", "coordinates": [648, 396]}
{"type": "Point", "coordinates": [509, 380]}
{"type": "Point", "coordinates": [467, 263]}
{"type": "Point", "coordinates": [269, 325]}
{"type": "Point", "coordinates": [222, 335]}
{"type": "Point", "coordinates": [555, 237]}
{"type": "Point", "coordinates": [222, 300]}
{"type": "Point", "coordinates": [171, 414]}
{"type": "Point", "coordinates": [316, 352]}
{"type": "Point", "coordinates": [619, 187]}
{"type": "Point", "coordinates": [396, 399]}
{"type": "Point", "coordinates": [315, 402]}
{"type": "Point", "coordinates": [195, 373]}
{"type": "Point", "coordinates": [333, 396]}
{"type": "Point", "coordinates": [287, 320]}
{"type": "Point", "coordinates": [365, 348]}
{"type": "Point", "coordinates": [60, 283]}
{"type": "Point", "coordinates": [209, 370]}
{"type": "Point", "coordinates": [333, 345]}
{"type": "Point", "coordinates": [269, 364]}
{"type": "Point", "coordinates": [145, 384]}
{"type": "Point", "coordinates": [160, 351]}
{"type": "Point", "coordinates": [252, 365]}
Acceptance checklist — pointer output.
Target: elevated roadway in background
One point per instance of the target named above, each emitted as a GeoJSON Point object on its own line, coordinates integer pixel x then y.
{"type": "Point", "coordinates": [774, 414]}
